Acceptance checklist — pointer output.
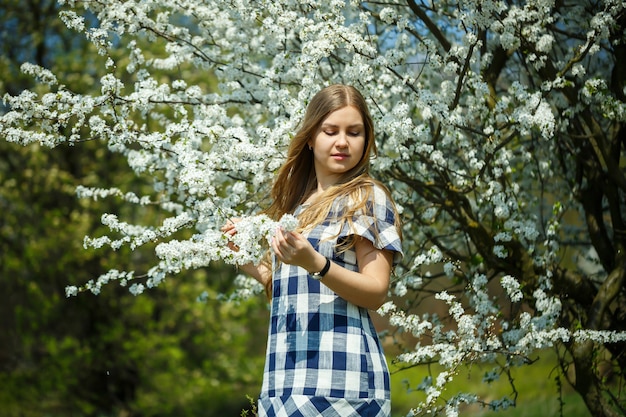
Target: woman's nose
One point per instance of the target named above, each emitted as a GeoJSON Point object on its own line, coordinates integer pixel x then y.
{"type": "Point", "coordinates": [342, 141]}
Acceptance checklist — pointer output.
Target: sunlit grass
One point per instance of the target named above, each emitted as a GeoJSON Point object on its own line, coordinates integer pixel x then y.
{"type": "Point", "coordinates": [538, 392]}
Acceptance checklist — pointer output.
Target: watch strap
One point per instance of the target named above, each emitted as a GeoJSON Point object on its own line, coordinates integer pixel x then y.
{"type": "Point", "coordinates": [319, 275]}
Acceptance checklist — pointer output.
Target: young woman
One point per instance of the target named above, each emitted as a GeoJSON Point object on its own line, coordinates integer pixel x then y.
{"type": "Point", "coordinates": [323, 354]}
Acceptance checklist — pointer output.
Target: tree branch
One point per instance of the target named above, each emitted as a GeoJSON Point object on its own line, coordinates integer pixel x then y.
{"type": "Point", "coordinates": [432, 27]}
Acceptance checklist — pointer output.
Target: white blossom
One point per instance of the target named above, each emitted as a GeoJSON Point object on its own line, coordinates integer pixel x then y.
{"type": "Point", "coordinates": [512, 287]}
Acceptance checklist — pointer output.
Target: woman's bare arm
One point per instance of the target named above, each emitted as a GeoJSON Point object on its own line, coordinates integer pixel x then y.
{"type": "Point", "coordinates": [366, 288]}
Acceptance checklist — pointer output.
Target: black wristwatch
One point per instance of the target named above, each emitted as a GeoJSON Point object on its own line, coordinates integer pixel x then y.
{"type": "Point", "coordinates": [319, 275]}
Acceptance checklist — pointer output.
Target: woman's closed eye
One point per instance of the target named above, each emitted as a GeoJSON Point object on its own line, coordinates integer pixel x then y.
{"type": "Point", "coordinates": [334, 132]}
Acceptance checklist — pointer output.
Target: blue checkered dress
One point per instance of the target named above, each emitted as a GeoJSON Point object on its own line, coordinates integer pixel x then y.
{"type": "Point", "coordinates": [323, 354]}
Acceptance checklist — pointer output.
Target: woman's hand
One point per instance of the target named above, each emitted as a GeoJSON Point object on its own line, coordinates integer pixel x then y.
{"type": "Point", "coordinates": [366, 288]}
{"type": "Point", "coordinates": [260, 272]}
{"type": "Point", "coordinates": [230, 230]}
{"type": "Point", "coordinates": [294, 249]}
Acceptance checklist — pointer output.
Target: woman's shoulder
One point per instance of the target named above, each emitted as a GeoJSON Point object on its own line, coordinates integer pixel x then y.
{"type": "Point", "coordinates": [380, 189]}
{"type": "Point", "coordinates": [375, 192]}
{"type": "Point", "coordinates": [373, 215]}
{"type": "Point", "coordinates": [370, 197]}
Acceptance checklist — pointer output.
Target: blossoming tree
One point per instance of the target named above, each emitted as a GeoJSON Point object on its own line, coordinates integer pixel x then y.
{"type": "Point", "coordinates": [501, 129]}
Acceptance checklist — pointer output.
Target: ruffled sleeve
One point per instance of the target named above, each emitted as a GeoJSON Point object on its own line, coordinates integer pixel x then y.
{"type": "Point", "coordinates": [377, 223]}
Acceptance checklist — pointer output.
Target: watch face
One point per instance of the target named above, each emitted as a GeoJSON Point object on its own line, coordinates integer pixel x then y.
{"type": "Point", "coordinates": [319, 275]}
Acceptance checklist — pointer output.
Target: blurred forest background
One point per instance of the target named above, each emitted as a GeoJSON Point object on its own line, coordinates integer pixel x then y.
{"type": "Point", "coordinates": [165, 353]}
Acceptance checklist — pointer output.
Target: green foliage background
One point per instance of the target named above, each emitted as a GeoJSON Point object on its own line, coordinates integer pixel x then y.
{"type": "Point", "coordinates": [161, 354]}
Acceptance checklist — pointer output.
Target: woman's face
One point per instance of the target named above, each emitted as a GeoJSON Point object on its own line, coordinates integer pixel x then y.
{"type": "Point", "coordinates": [338, 144]}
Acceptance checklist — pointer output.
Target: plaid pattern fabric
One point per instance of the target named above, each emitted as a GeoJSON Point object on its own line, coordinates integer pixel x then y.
{"type": "Point", "coordinates": [303, 406]}
{"type": "Point", "coordinates": [323, 353]}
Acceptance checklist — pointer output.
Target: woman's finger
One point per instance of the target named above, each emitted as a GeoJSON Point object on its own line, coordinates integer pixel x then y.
{"type": "Point", "coordinates": [290, 238]}
{"type": "Point", "coordinates": [277, 250]}
{"type": "Point", "coordinates": [230, 224]}
{"type": "Point", "coordinates": [229, 231]}
{"type": "Point", "coordinates": [280, 238]}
